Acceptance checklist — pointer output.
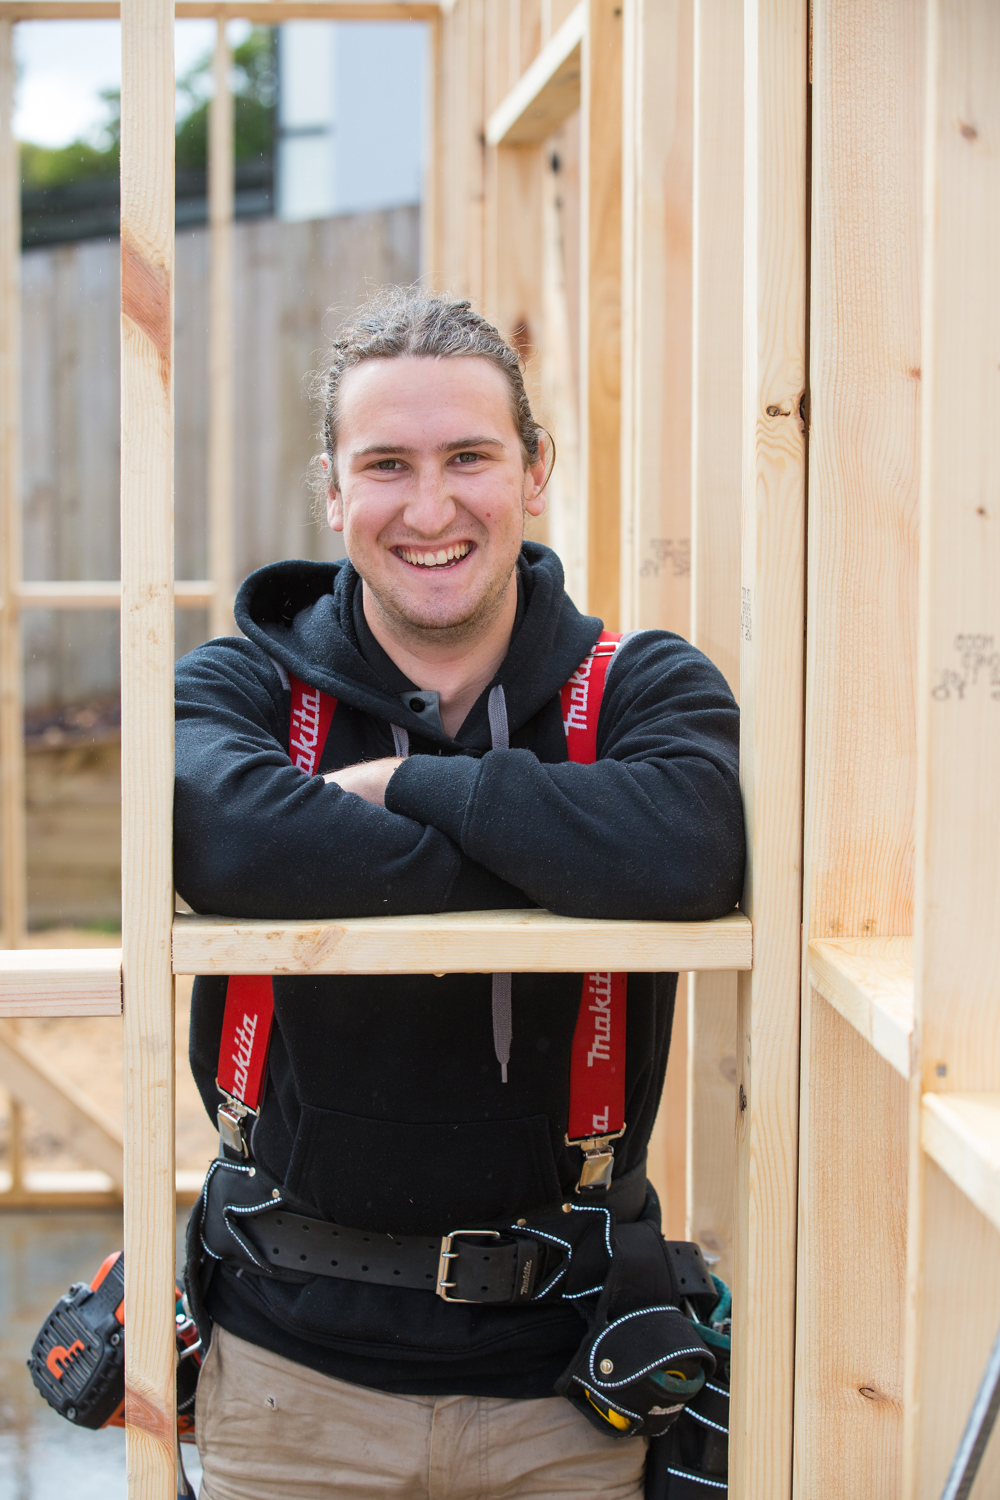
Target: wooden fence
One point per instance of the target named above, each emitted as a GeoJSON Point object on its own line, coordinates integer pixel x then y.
{"type": "Point", "coordinates": [285, 277]}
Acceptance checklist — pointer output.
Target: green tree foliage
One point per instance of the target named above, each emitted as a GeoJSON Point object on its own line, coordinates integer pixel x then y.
{"type": "Point", "coordinates": [254, 83]}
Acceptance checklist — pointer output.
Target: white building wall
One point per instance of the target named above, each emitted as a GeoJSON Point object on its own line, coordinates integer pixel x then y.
{"type": "Point", "coordinates": [351, 116]}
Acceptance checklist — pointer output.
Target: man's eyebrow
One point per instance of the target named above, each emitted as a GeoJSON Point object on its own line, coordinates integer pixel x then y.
{"type": "Point", "coordinates": [449, 447]}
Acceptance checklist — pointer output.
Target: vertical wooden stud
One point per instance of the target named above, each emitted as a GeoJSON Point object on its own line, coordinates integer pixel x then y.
{"type": "Point", "coordinates": [957, 948]}
{"type": "Point", "coordinates": [147, 247]}
{"type": "Point", "coordinates": [860, 728]}
{"type": "Point", "coordinates": [774, 450]}
{"type": "Point", "coordinates": [560, 388]}
{"type": "Point", "coordinates": [431, 210]}
{"type": "Point", "coordinates": [716, 473]}
{"type": "Point", "coordinates": [656, 316]}
{"type": "Point", "coordinates": [13, 880]}
{"type": "Point", "coordinates": [221, 429]}
{"type": "Point", "coordinates": [600, 303]}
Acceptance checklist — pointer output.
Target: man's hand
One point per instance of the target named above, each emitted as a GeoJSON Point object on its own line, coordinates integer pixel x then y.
{"type": "Point", "coordinates": [368, 779]}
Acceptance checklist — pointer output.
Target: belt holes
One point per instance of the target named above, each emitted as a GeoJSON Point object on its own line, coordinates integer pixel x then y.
{"type": "Point", "coordinates": [276, 1251]}
{"type": "Point", "coordinates": [397, 1273]}
{"type": "Point", "coordinates": [366, 1239]}
{"type": "Point", "coordinates": [484, 1288]}
{"type": "Point", "coordinates": [364, 1268]}
{"type": "Point", "coordinates": [333, 1262]}
{"type": "Point", "coordinates": [278, 1221]}
{"type": "Point", "coordinates": [304, 1228]}
{"type": "Point", "coordinates": [428, 1276]}
{"type": "Point", "coordinates": [487, 1257]}
{"type": "Point", "coordinates": [303, 1256]}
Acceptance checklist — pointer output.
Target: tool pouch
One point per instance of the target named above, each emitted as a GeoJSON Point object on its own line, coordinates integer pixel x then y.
{"type": "Point", "coordinates": [692, 1461]}
{"type": "Point", "coordinates": [642, 1359]}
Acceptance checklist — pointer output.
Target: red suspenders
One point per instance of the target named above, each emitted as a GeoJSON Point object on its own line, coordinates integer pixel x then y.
{"type": "Point", "coordinates": [597, 1068]}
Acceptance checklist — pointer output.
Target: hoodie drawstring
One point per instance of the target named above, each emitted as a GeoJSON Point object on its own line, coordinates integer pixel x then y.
{"type": "Point", "coordinates": [503, 1024]}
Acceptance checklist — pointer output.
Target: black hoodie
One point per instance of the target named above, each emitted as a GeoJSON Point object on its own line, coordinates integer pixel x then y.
{"type": "Point", "coordinates": [384, 1107]}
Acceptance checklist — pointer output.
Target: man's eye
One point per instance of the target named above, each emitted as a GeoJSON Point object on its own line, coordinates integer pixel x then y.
{"type": "Point", "coordinates": [388, 464]}
{"type": "Point", "coordinates": [468, 458]}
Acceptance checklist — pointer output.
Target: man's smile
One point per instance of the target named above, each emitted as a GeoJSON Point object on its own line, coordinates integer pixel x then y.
{"type": "Point", "coordinates": [441, 557]}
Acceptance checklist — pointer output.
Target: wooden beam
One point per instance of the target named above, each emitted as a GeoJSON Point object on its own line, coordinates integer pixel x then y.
{"type": "Point", "coordinates": [961, 1132]}
{"type": "Point", "coordinates": [716, 406]}
{"type": "Point", "coordinates": [147, 619]}
{"type": "Point", "coordinates": [870, 982]}
{"type": "Point", "coordinates": [957, 948]}
{"type": "Point", "coordinates": [221, 412]}
{"type": "Point", "coordinates": [261, 12]}
{"type": "Point", "coordinates": [95, 594]}
{"type": "Point", "coordinates": [457, 943]}
{"type": "Point", "coordinates": [773, 622]}
{"type": "Point", "coordinates": [547, 94]}
{"type": "Point", "coordinates": [13, 870]}
{"type": "Point", "coordinates": [67, 1111]}
{"type": "Point", "coordinates": [600, 305]}
{"type": "Point", "coordinates": [61, 982]}
{"type": "Point", "coordinates": [657, 203]}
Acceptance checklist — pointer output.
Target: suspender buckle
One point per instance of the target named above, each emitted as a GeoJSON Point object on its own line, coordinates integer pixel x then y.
{"type": "Point", "coordinates": [598, 1159]}
{"type": "Point", "coordinates": [230, 1117]}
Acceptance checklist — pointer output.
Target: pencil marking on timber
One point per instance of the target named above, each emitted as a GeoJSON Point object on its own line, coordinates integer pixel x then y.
{"type": "Point", "coordinates": [666, 551]}
{"type": "Point", "coordinates": [146, 301]}
{"type": "Point", "coordinates": [746, 615]}
{"type": "Point", "coordinates": [978, 663]}
{"type": "Point", "coordinates": [141, 1413]}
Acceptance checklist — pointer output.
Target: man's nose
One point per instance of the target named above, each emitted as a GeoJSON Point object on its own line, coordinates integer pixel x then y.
{"type": "Point", "coordinates": [430, 508]}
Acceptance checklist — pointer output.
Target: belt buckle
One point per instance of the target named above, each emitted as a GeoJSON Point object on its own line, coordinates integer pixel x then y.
{"type": "Point", "coordinates": [447, 1254]}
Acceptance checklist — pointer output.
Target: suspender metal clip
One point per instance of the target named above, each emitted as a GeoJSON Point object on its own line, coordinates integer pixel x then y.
{"type": "Point", "coordinates": [230, 1117]}
{"type": "Point", "coordinates": [598, 1159]}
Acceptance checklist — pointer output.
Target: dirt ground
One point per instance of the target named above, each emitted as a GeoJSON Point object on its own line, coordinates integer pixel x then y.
{"type": "Point", "coordinates": [89, 1051]}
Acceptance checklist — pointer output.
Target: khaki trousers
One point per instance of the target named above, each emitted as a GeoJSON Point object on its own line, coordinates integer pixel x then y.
{"type": "Point", "coordinates": [269, 1429]}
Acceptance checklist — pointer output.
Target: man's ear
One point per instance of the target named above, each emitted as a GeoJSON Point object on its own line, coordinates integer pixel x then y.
{"type": "Point", "coordinates": [534, 482]}
{"type": "Point", "coordinates": [334, 508]}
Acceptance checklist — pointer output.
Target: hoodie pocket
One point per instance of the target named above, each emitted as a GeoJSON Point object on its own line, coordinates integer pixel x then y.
{"type": "Point", "coordinates": [417, 1178]}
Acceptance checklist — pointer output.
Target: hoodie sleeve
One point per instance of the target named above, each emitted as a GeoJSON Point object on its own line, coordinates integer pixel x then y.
{"type": "Point", "coordinates": [654, 829]}
{"type": "Point", "coordinates": [254, 837]}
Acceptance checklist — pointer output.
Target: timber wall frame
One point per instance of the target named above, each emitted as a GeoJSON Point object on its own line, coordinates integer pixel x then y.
{"type": "Point", "coordinates": [786, 253]}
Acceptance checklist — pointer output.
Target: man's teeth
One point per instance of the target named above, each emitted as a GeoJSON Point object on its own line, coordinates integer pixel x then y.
{"type": "Point", "coordinates": [436, 559]}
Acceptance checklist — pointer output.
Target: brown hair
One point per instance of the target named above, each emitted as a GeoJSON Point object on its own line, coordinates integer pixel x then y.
{"type": "Point", "coordinates": [399, 322]}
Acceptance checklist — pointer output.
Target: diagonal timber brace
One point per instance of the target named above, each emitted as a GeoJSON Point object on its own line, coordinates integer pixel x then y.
{"type": "Point", "coordinates": [73, 1117]}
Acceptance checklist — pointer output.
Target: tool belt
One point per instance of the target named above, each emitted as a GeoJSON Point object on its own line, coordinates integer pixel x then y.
{"type": "Point", "coordinates": [641, 1359]}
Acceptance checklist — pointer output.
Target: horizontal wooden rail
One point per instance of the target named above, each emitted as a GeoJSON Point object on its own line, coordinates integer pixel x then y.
{"type": "Point", "coordinates": [262, 11]}
{"type": "Point", "coordinates": [106, 594]}
{"type": "Point", "coordinates": [459, 943]}
{"type": "Point", "coordinates": [60, 982]}
{"type": "Point", "coordinates": [961, 1132]}
{"type": "Point", "coordinates": [870, 982]}
{"type": "Point", "coordinates": [546, 94]}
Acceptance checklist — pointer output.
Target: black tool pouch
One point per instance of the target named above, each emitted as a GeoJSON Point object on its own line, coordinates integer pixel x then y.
{"type": "Point", "coordinates": [642, 1359]}
{"type": "Point", "coordinates": [692, 1461]}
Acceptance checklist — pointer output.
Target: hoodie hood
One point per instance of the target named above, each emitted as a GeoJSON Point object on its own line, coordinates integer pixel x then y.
{"type": "Point", "coordinates": [302, 615]}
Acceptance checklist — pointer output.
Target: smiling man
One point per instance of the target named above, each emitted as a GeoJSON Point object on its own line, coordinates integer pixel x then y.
{"type": "Point", "coordinates": [430, 1199]}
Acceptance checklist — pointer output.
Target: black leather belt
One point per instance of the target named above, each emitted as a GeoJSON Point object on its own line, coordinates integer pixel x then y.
{"type": "Point", "coordinates": [488, 1265]}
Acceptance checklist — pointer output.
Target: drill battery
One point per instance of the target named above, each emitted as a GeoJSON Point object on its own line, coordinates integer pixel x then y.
{"type": "Point", "coordinates": [78, 1359]}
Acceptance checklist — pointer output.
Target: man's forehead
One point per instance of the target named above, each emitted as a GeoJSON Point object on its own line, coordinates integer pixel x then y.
{"type": "Point", "coordinates": [449, 445]}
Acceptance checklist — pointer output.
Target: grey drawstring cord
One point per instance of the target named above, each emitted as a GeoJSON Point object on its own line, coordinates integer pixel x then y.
{"type": "Point", "coordinates": [503, 1023]}
{"type": "Point", "coordinates": [401, 741]}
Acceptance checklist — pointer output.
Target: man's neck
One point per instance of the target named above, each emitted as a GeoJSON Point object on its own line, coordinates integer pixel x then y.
{"type": "Point", "coordinates": [456, 669]}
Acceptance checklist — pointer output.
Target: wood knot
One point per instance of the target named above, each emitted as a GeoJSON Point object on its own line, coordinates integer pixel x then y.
{"type": "Point", "coordinates": [870, 1393]}
{"type": "Point", "coordinates": [777, 411]}
{"type": "Point", "coordinates": [968, 132]}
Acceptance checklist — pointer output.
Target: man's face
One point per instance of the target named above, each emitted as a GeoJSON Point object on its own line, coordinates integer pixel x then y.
{"type": "Point", "coordinates": [432, 488]}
